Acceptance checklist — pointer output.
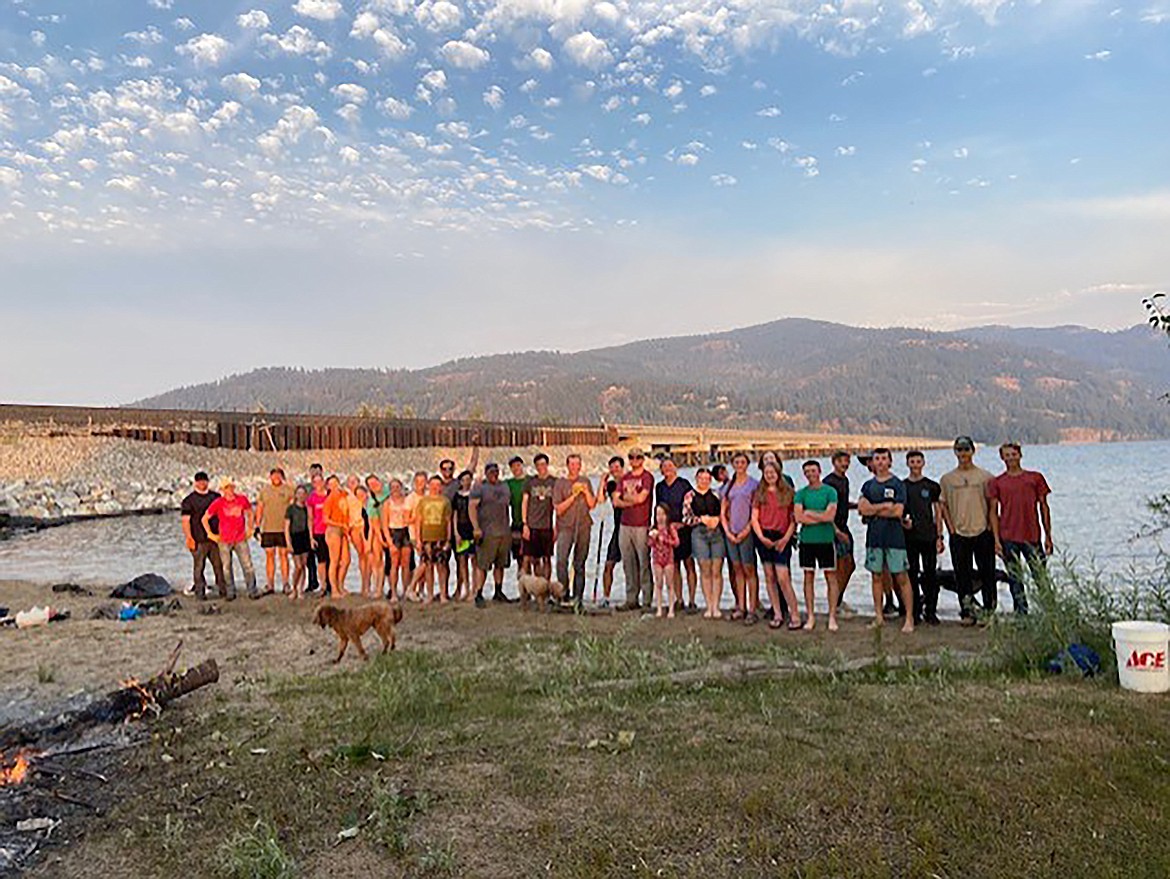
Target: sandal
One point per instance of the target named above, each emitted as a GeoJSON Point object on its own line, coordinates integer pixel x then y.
{"type": "Point", "coordinates": [751, 619]}
{"type": "Point", "coordinates": [776, 623]}
{"type": "Point", "coordinates": [736, 614]}
{"type": "Point", "coordinates": [794, 624]}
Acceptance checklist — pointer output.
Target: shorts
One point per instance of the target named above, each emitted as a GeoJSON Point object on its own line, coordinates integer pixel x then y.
{"type": "Point", "coordinates": [322, 550]}
{"type": "Point", "coordinates": [817, 555]}
{"type": "Point", "coordinates": [272, 540]}
{"type": "Point", "coordinates": [464, 548]}
{"type": "Point", "coordinates": [844, 547]}
{"type": "Point", "coordinates": [743, 553]}
{"type": "Point", "coordinates": [518, 544]}
{"type": "Point", "coordinates": [436, 551]}
{"type": "Point", "coordinates": [400, 537]}
{"type": "Point", "coordinates": [769, 556]}
{"type": "Point", "coordinates": [493, 552]}
{"type": "Point", "coordinates": [880, 559]}
{"type": "Point", "coordinates": [539, 544]}
{"type": "Point", "coordinates": [707, 543]}
{"type": "Point", "coordinates": [300, 543]}
{"type": "Point", "coordinates": [613, 553]}
{"type": "Point", "coordinates": [683, 551]}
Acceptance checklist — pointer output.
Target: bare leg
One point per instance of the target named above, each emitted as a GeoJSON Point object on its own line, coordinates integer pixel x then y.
{"type": "Point", "coordinates": [831, 581]}
{"type": "Point", "coordinates": [607, 579]}
{"type": "Point", "coordinates": [784, 580]}
{"type": "Point", "coordinates": [270, 567]}
{"type": "Point", "coordinates": [284, 581]}
{"type": "Point", "coordinates": [737, 586]}
{"type": "Point", "coordinates": [809, 599]}
{"type": "Point", "coordinates": [903, 581]}
{"type": "Point", "coordinates": [879, 594]}
{"type": "Point", "coordinates": [692, 579]}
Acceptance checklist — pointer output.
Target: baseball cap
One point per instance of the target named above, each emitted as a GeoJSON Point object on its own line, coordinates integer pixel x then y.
{"type": "Point", "coordinates": [490, 465]}
{"type": "Point", "coordinates": [964, 444]}
{"type": "Point", "coordinates": [201, 476]}
{"type": "Point", "coordinates": [515, 459]}
{"type": "Point", "coordinates": [636, 452]}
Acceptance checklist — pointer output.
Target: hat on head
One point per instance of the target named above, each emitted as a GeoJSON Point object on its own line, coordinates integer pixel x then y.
{"type": "Point", "coordinates": [964, 444]}
{"type": "Point", "coordinates": [490, 465]}
{"type": "Point", "coordinates": [201, 476]}
{"type": "Point", "coordinates": [515, 459]}
{"type": "Point", "coordinates": [636, 452]}
{"type": "Point", "coordinates": [226, 482]}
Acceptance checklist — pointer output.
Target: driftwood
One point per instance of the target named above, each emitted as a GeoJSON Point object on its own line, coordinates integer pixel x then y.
{"type": "Point", "coordinates": [130, 701]}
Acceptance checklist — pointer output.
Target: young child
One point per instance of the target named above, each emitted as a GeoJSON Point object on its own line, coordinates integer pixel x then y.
{"type": "Point", "coordinates": [663, 540]}
{"type": "Point", "coordinates": [298, 539]}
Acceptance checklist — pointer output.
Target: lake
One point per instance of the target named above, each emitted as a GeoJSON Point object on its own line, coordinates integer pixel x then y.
{"type": "Point", "coordinates": [1095, 523]}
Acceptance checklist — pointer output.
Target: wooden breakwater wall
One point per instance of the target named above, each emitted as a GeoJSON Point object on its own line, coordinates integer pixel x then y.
{"type": "Point", "coordinates": [291, 431]}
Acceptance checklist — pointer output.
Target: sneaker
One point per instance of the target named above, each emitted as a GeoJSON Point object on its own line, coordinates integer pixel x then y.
{"type": "Point", "coordinates": [845, 611]}
{"type": "Point", "coordinates": [604, 604]}
{"type": "Point", "coordinates": [479, 601]}
{"type": "Point", "coordinates": [931, 619]}
{"type": "Point", "coordinates": [498, 596]}
{"type": "Point", "coordinates": [967, 622]}
{"type": "Point", "coordinates": [692, 608]}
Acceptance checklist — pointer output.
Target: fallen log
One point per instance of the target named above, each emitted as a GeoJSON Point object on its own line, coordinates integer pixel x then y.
{"type": "Point", "coordinates": [132, 700]}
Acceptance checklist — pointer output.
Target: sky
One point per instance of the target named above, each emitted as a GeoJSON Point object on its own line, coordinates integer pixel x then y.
{"type": "Point", "coordinates": [194, 188]}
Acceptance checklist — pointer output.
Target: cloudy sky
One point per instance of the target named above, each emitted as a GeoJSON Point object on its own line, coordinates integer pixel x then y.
{"type": "Point", "coordinates": [191, 188]}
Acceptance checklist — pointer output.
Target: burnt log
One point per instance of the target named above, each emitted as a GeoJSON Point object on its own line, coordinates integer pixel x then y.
{"type": "Point", "coordinates": [131, 701]}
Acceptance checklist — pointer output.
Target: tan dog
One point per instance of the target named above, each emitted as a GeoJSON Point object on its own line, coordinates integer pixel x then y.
{"type": "Point", "coordinates": [350, 623]}
{"type": "Point", "coordinates": [539, 588]}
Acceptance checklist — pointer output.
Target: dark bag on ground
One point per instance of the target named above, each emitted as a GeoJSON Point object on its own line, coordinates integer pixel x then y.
{"type": "Point", "coordinates": [144, 586]}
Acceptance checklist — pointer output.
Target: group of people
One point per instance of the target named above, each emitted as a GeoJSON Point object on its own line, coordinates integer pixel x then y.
{"type": "Point", "coordinates": [670, 536]}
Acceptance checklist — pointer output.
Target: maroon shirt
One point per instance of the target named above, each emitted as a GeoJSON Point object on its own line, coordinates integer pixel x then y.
{"type": "Point", "coordinates": [1018, 496]}
{"type": "Point", "coordinates": [639, 516]}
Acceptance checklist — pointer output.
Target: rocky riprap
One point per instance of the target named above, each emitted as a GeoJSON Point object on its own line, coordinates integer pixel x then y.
{"type": "Point", "coordinates": [44, 480]}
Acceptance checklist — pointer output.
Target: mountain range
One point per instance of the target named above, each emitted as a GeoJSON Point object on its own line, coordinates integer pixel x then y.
{"type": "Point", "coordinates": [1067, 383]}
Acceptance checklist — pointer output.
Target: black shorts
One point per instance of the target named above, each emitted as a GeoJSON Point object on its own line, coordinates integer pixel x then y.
{"type": "Point", "coordinates": [771, 556]}
{"type": "Point", "coordinates": [300, 543]}
{"type": "Point", "coordinates": [682, 552]}
{"type": "Point", "coordinates": [518, 545]}
{"type": "Point", "coordinates": [539, 544]}
{"type": "Point", "coordinates": [272, 540]}
{"type": "Point", "coordinates": [613, 553]}
{"type": "Point", "coordinates": [322, 550]}
{"type": "Point", "coordinates": [400, 537]}
{"type": "Point", "coordinates": [438, 552]}
{"type": "Point", "coordinates": [817, 555]}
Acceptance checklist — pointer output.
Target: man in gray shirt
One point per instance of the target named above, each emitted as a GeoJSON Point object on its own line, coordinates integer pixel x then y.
{"type": "Point", "coordinates": [573, 500]}
{"type": "Point", "coordinates": [490, 509]}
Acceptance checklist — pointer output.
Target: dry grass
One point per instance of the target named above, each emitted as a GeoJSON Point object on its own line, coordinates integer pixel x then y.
{"type": "Point", "coordinates": [494, 759]}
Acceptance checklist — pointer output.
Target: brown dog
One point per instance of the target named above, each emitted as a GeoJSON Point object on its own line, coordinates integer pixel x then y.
{"type": "Point", "coordinates": [350, 623]}
{"type": "Point", "coordinates": [539, 588]}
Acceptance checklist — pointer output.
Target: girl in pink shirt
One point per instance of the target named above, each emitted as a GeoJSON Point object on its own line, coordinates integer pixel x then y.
{"type": "Point", "coordinates": [663, 539]}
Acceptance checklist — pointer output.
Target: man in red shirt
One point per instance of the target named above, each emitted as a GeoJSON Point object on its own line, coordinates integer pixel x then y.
{"type": "Point", "coordinates": [634, 498]}
{"type": "Point", "coordinates": [234, 513]}
{"type": "Point", "coordinates": [1018, 511]}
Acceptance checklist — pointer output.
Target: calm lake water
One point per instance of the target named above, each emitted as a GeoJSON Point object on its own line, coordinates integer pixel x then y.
{"type": "Point", "coordinates": [1098, 506]}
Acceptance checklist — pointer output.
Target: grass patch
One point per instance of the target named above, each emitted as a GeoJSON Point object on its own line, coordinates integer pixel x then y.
{"type": "Point", "coordinates": [255, 854]}
{"type": "Point", "coordinates": [574, 757]}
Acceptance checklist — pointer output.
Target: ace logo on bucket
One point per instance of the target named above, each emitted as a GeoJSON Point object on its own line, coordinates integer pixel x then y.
{"type": "Point", "coordinates": [1146, 660]}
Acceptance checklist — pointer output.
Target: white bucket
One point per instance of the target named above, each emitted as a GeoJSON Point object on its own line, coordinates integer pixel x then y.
{"type": "Point", "coordinates": [1142, 655]}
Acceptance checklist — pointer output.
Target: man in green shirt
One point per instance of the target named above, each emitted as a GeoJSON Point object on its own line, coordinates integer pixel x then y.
{"type": "Point", "coordinates": [516, 483]}
{"type": "Point", "coordinates": [816, 508]}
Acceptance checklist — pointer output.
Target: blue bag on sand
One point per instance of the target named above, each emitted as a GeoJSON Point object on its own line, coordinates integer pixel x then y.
{"type": "Point", "coordinates": [130, 612]}
{"type": "Point", "coordinates": [1076, 657]}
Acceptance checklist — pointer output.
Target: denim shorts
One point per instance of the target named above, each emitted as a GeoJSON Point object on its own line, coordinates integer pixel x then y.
{"type": "Point", "coordinates": [742, 553]}
{"type": "Point", "coordinates": [707, 543]}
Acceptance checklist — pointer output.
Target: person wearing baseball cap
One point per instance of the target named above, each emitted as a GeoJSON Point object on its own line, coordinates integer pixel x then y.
{"type": "Point", "coordinates": [490, 509]}
{"type": "Point", "coordinates": [967, 517]}
{"type": "Point", "coordinates": [234, 512]}
{"type": "Point", "coordinates": [199, 540]}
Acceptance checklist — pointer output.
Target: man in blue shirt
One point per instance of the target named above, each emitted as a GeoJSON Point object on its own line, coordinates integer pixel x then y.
{"type": "Point", "coordinates": [882, 505]}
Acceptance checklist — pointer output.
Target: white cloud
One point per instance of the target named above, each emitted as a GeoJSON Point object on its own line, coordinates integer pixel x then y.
{"type": "Point", "coordinates": [687, 160]}
{"type": "Point", "coordinates": [206, 50]}
{"type": "Point", "coordinates": [458, 53]}
{"type": "Point", "coordinates": [435, 79]}
{"type": "Point", "coordinates": [1102, 55]}
{"type": "Point", "coordinates": [708, 90]}
{"type": "Point", "coordinates": [723, 180]}
{"type": "Point", "coordinates": [242, 85]}
{"type": "Point", "coordinates": [368, 26]}
{"type": "Point", "coordinates": [255, 19]}
{"type": "Point", "coordinates": [542, 58]}
{"type": "Point", "coordinates": [299, 40]}
{"type": "Point", "coordinates": [494, 97]}
{"type": "Point", "coordinates": [395, 108]}
{"type": "Point", "coordinates": [322, 10]}
{"type": "Point", "coordinates": [769, 112]}
{"type": "Point", "coordinates": [588, 50]}
{"type": "Point", "coordinates": [295, 122]}
{"type": "Point", "coordinates": [350, 93]}
{"type": "Point", "coordinates": [846, 150]}
{"type": "Point", "coordinates": [349, 155]}
{"type": "Point", "coordinates": [364, 25]}
{"type": "Point", "coordinates": [438, 15]}
{"type": "Point", "coordinates": [9, 177]}
{"type": "Point", "coordinates": [126, 183]}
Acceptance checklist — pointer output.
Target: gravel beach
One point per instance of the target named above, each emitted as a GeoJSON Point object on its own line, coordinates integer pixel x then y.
{"type": "Point", "coordinates": [48, 479]}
